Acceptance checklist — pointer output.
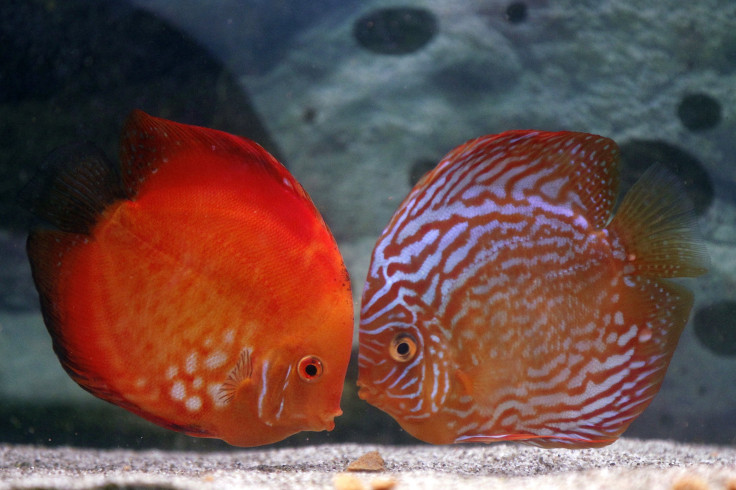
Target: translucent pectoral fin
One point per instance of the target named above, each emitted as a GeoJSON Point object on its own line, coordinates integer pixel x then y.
{"type": "Point", "coordinates": [465, 382]}
{"type": "Point", "coordinates": [239, 375]}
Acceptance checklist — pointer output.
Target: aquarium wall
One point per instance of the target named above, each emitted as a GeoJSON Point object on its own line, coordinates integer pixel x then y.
{"type": "Point", "coordinates": [359, 100]}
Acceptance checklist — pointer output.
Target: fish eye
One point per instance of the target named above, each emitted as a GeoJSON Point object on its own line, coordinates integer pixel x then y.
{"type": "Point", "coordinates": [403, 347]}
{"type": "Point", "coordinates": [310, 368]}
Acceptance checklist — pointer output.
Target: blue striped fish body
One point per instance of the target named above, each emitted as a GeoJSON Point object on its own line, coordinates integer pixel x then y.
{"type": "Point", "coordinates": [505, 301]}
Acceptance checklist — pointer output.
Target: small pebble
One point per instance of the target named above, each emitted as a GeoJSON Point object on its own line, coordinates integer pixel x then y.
{"type": "Point", "coordinates": [383, 483]}
{"type": "Point", "coordinates": [346, 481]}
{"type": "Point", "coordinates": [371, 461]}
{"type": "Point", "coordinates": [690, 482]}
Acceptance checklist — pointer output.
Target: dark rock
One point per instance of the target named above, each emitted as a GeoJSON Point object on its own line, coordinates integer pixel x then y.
{"type": "Point", "coordinates": [699, 111]}
{"type": "Point", "coordinates": [516, 12]}
{"type": "Point", "coordinates": [715, 328]}
{"type": "Point", "coordinates": [638, 155]}
{"type": "Point", "coordinates": [398, 30]}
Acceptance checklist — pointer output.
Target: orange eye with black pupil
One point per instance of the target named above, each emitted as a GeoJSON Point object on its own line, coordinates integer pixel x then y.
{"type": "Point", "coordinates": [310, 368]}
{"type": "Point", "coordinates": [403, 347]}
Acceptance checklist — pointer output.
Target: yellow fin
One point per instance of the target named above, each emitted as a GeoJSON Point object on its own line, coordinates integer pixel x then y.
{"type": "Point", "coordinates": [657, 226]}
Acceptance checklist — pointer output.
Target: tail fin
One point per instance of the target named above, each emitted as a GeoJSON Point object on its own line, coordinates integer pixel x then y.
{"type": "Point", "coordinates": [657, 226]}
{"type": "Point", "coordinates": [73, 187]}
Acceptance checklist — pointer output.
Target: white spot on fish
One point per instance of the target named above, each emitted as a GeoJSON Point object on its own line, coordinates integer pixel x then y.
{"type": "Point", "coordinates": [645, 335]}
{"type": "Point", "coordinates": [197, 383]}
{"type": "Point", "coordinates": [193, 403]}
{"type": "Point", "coordinates": [190, 364]}
{"type": "Point", "coordinates": [618, 318]}
{"type": "Point", "coordinates": [213, 390]}
{"type": "Point", "coordinates": [229, 336]}
{"type": "Point", "coordinates": [178, 391]}
{"type": "Point", "coordinates": [171, 372]}
{"type": "Point", "coordinates": [215, 360]}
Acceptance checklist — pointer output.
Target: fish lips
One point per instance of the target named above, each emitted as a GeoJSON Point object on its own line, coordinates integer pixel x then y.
{"type": "Point", "coordinates": [328, 421]}
{"type": "Point", "coordinates": [370, 394]}
{"type": "Point", "coordinates": [322, 422]}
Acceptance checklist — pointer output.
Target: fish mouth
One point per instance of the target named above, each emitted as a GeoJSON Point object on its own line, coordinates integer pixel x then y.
{"type": "Point", "coordinates": [367, 393]}
{"type": "Point", "coordinates": [326, 421]}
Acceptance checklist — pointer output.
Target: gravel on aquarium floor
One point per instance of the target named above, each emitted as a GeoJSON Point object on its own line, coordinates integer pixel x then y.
{"type": "Point", "coordinates": [627, 464]}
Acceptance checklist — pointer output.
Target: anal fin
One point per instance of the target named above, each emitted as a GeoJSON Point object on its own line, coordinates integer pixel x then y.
{"type": "Point", "coordinates": [655, 312]}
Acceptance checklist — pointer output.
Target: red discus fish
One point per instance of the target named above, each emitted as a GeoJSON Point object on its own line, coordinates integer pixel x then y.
{"type": "Point", "coordinates": [198, 288]}
{"type": "Point", "coordinates": [505, 301]}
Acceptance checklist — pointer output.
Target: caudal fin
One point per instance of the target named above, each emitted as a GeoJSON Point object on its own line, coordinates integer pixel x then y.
{"type": "Point", "coordinates": [73, 187]}
{"type": "Point", "coordinates": [657, 226]}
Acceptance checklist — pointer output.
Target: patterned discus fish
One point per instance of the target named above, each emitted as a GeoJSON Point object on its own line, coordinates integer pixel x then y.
{"type": "Point", "coordinates": [198, 288]}
{"type": "Point", "coordinates": [505, 301]}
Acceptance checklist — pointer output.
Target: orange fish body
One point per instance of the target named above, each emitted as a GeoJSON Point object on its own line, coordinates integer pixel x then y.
{"type": "Point", "coordinates": [505, 301]}
{"type": "Point", "coordinates": [202, 291]}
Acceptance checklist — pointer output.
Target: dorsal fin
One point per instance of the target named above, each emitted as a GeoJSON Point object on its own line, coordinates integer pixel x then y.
{"type": "Point", "coordinates": [592, 164]}
{"type": "Point", "coordinates": [73, 187]}
{"type": "Point", "coordinates": [578, 170]}
{"type": "Point", "coordinates": [149, 143]}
